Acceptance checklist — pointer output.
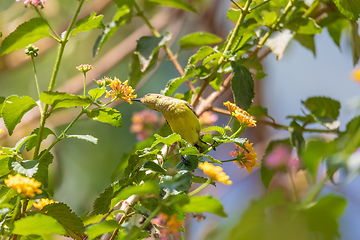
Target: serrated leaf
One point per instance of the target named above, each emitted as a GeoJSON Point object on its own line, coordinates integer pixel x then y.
{"type": "Point", "coordinates": [180, 4]}
{"type": "Point", "coordinates": [306, 41]}
{"type": "Point", "coordinates": [122, 16]}
{"type": "Point", "coordinates": [89, 23]}
{"type": "Point", "coordinates": [258, 111]}
{"type": "Point", "coordinates": [214, 129]}
{"type": "Point", "coordinates": [169, 140]}
{"type": "Point", "coordinates": [19, 146]}
{"type": "Point", "coordinates": [64, 100]}
{"type": "Point", "coordinates": [145, 188]}
{"type": "Point", "coordinates": [2, 100]}
{"type": "Point", "coordinates": [145, 56]}
{"type": "Point", "coordinates": [105, 115]}
{"type": "Point", "coordinates": [233, 14]}
{"type": "Point", "coordinates": [355, 42]}
{"type": "Point", "coordinates": [202, 53]}
{"type": "Point", "coordinates": [242, 86]}
{"type": "Point", "coordinates": [172, 85]}
{"type": "Point", "coordinates": [97, 93]}
{"type": "Point", "coordinates": [25, 34]}
{"type": "Point", "coordinates": [42, 174]}
{"type": "Point", "coordinates": [201, 204]}
{"type": "Point", "coordinates": [100, 228]}
{"type": "Point", "coordinates": [188, 163]}
{"type": "Point", "coordinates": [31, 142]}
{"type": "Point", "coordinates": [350, 8]}
{"type": "Point", "coordinates": [102, 202]}
{"type": "Point", "coordinates": [314, 152]}
{"type": "Point", "coordinates": [4, 165]}
{"type": "Point", "coordinates": [310, 28]}
{"type": "Point", "coordinates": [87, 138]}
{"type": "Point", "coordinates": [72, 224]}
{"type": "Point", "coordinates": [324, 109]}
{"type": "Point", "coordinates": [154, 167]}
{"type": "Point", "coordinates": [181, 182]}
{"type": "Point", "coordinates": [198, 39]}
{"type": "Point", "coordinates": [38, 224]}
{"type": "Point", "coordinates": [14, 109]}
{"type": "Point", "coordinates": [26, 167]}
{"type": "Point", "coordinates": [336, 28]}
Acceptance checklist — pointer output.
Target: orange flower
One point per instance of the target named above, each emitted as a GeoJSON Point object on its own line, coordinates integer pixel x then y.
{"type": "Point", "coordinates": [25, 185]}
{"type": "Point", "coordinates": [356, 75]}
{"type": "Point", "coordinates": [242, 116]}
{"type": "Point", "coordinates": [246, 158]}
{"type": "Point", "coordinates": [215, 173]}
{"type": "Point", "coordinates": [121, 90]}
{"type": "Point", "coordinates": [42, 203]}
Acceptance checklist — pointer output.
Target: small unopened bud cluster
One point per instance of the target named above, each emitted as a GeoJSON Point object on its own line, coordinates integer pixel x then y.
{"type": "Point", "coordinates": [32, 51]}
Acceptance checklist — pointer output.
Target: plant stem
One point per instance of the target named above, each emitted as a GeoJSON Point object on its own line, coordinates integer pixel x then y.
{"type": "Point", "coordinates": [36, 79]}
{"type": "Point", "coordinates": [84, 85]}
{"type": "Point", "coordinates": [201, 187]}
{"type": "Point", "coordinates": [56, 36]}
{"type": "Point", "coordinates": [147, 221]}
{"type": "Point", "coordinates": [244, 12]}
{"type": "Point", "coordinates": [44, 111]}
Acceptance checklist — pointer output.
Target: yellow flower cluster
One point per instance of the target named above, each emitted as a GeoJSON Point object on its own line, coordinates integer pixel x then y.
{"type": "Point", "coordinates": [242, 116]}
{"type": "Point", "coordinates": [25, 185]}
{"type": "Point", "coordinates": [84, 68]}
{"type": "Point", "coordinates": [246, 158]}
{"type": "Point", "coordinates": [121, 90]}
{"type": "Point", "coordinates": [42, 203]}
{"type": "Point", "coordinates": [215, 172]}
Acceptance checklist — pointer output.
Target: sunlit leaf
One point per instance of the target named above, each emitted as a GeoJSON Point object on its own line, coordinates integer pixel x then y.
{"type": "Point", "coordinates": [87, 138]}
{"type": "Point", "coordinates": [180, 4]}
{"type": "Point", "coordinates": [201, 204]}
{"type": "Point", "coordinates": [14, 109]}
{"type": "Point", "coordinates": [100, 228]}
{"type": "Point", "coordinates": [198, 39]}
{"type": "Point", "coordinates": [105, 115]}
{"type": "Point", "coordinates": [25, 34]}
{"type": "Point", "coordinates": [89, 23]}
{"type": "Point", "coordinates": [350, 8]}
{"type": "Point", "coordinates": [64, 100]}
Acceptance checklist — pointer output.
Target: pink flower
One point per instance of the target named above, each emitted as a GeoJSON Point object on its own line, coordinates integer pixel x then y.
{"type": "Point", "coordinates": [34, 2]}
{"type": "Point", "coordinates": [281, 157]}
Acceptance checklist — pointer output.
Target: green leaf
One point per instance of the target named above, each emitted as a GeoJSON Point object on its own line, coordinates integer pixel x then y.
{"type": "Point", "coordinates": [89, 23]}
{"type": "Point", "coordinates": [350, 8]}
{"type": "Point", "coordinates": [95, 230]}
{"type": "Point", "coordinates": [169, 140]}
{"type": "Point", "coordinates": [172, 85]}
{"type": "Point", "coordinates": [154, 167]}
{"type": "Point", "coordinates": [19, 146]}
{"type": "Point", "coordinates": [88, 138]}
{"type": "Point", "coordinates": [4, 165]}
{"type": "Point", "coordinates": [14, 109]}
{"type": "Point", "coordinates": [181, 182]}
{"type": "Point", "coordinates": [180, 4]}
{"type": "Point", "coordinates": [38, 224]}
{"type": "Point", "coordinates": [105, 115]}
{"type": "Point", "coordinates": [325, 110]}
{"type": "Point", "coordinates": [270, 18]}
{"type": "Point", "coordinates": [188, 163]}
{"type": "Point", "coordinates": [214, 129]}
{"type": "Point", "coordinates": [64, 100]}
{"type": "Point", "coordinates": [306, 41]}
{"type": "Point", "coordinates": [258, 111]}
{"type": "Point", "coordinates": [102, 202]}
{"type": "Point", "coordinates": [122, 16]}
{"type": "Point", "coordinates": [314, 152]}
{"type": "Point", "coordinates": [296, 136]}
{"type": "Point", "coordinates": [2, 100]}
{"type": "Point", "coordinates": [42, 174]}
{"type": "Point", "coordinates": [310, 28]}
{"type": "Point", "coordinates": [233, 14]}
{"type": "Point", "coordinates": [26, 167]}
{"type": "Point", "coordinates": [198, 39]}
{"type": "Point", "coordinates": [145, 56]}
{"type": "Point", "coordinates": [336, 28]}
{"type": "Point", "coordinates": [96, 93]}
{"type": "Point", "coordinates": [242, 86]}
{"type": "Point", "coordinates": [72, 224]}
{"type": "Point", "coordinates": [31, 142]}
{"type": "Point", "coordinates": [200, 204]}
{"type": "Point", "coordinates": [202, 53]}
{"type": "Point", "coordinates": [145, 188]}
{"type": "Point", "coordinates": [322, 217]}
{"type": "Point", "coordinates": [25, 34]}
{"type": "Point", "coordinates": [355, 42]}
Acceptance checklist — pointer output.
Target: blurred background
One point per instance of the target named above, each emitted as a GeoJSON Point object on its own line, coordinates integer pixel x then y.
{"type": "Point", "coordinates": [81, 171]}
